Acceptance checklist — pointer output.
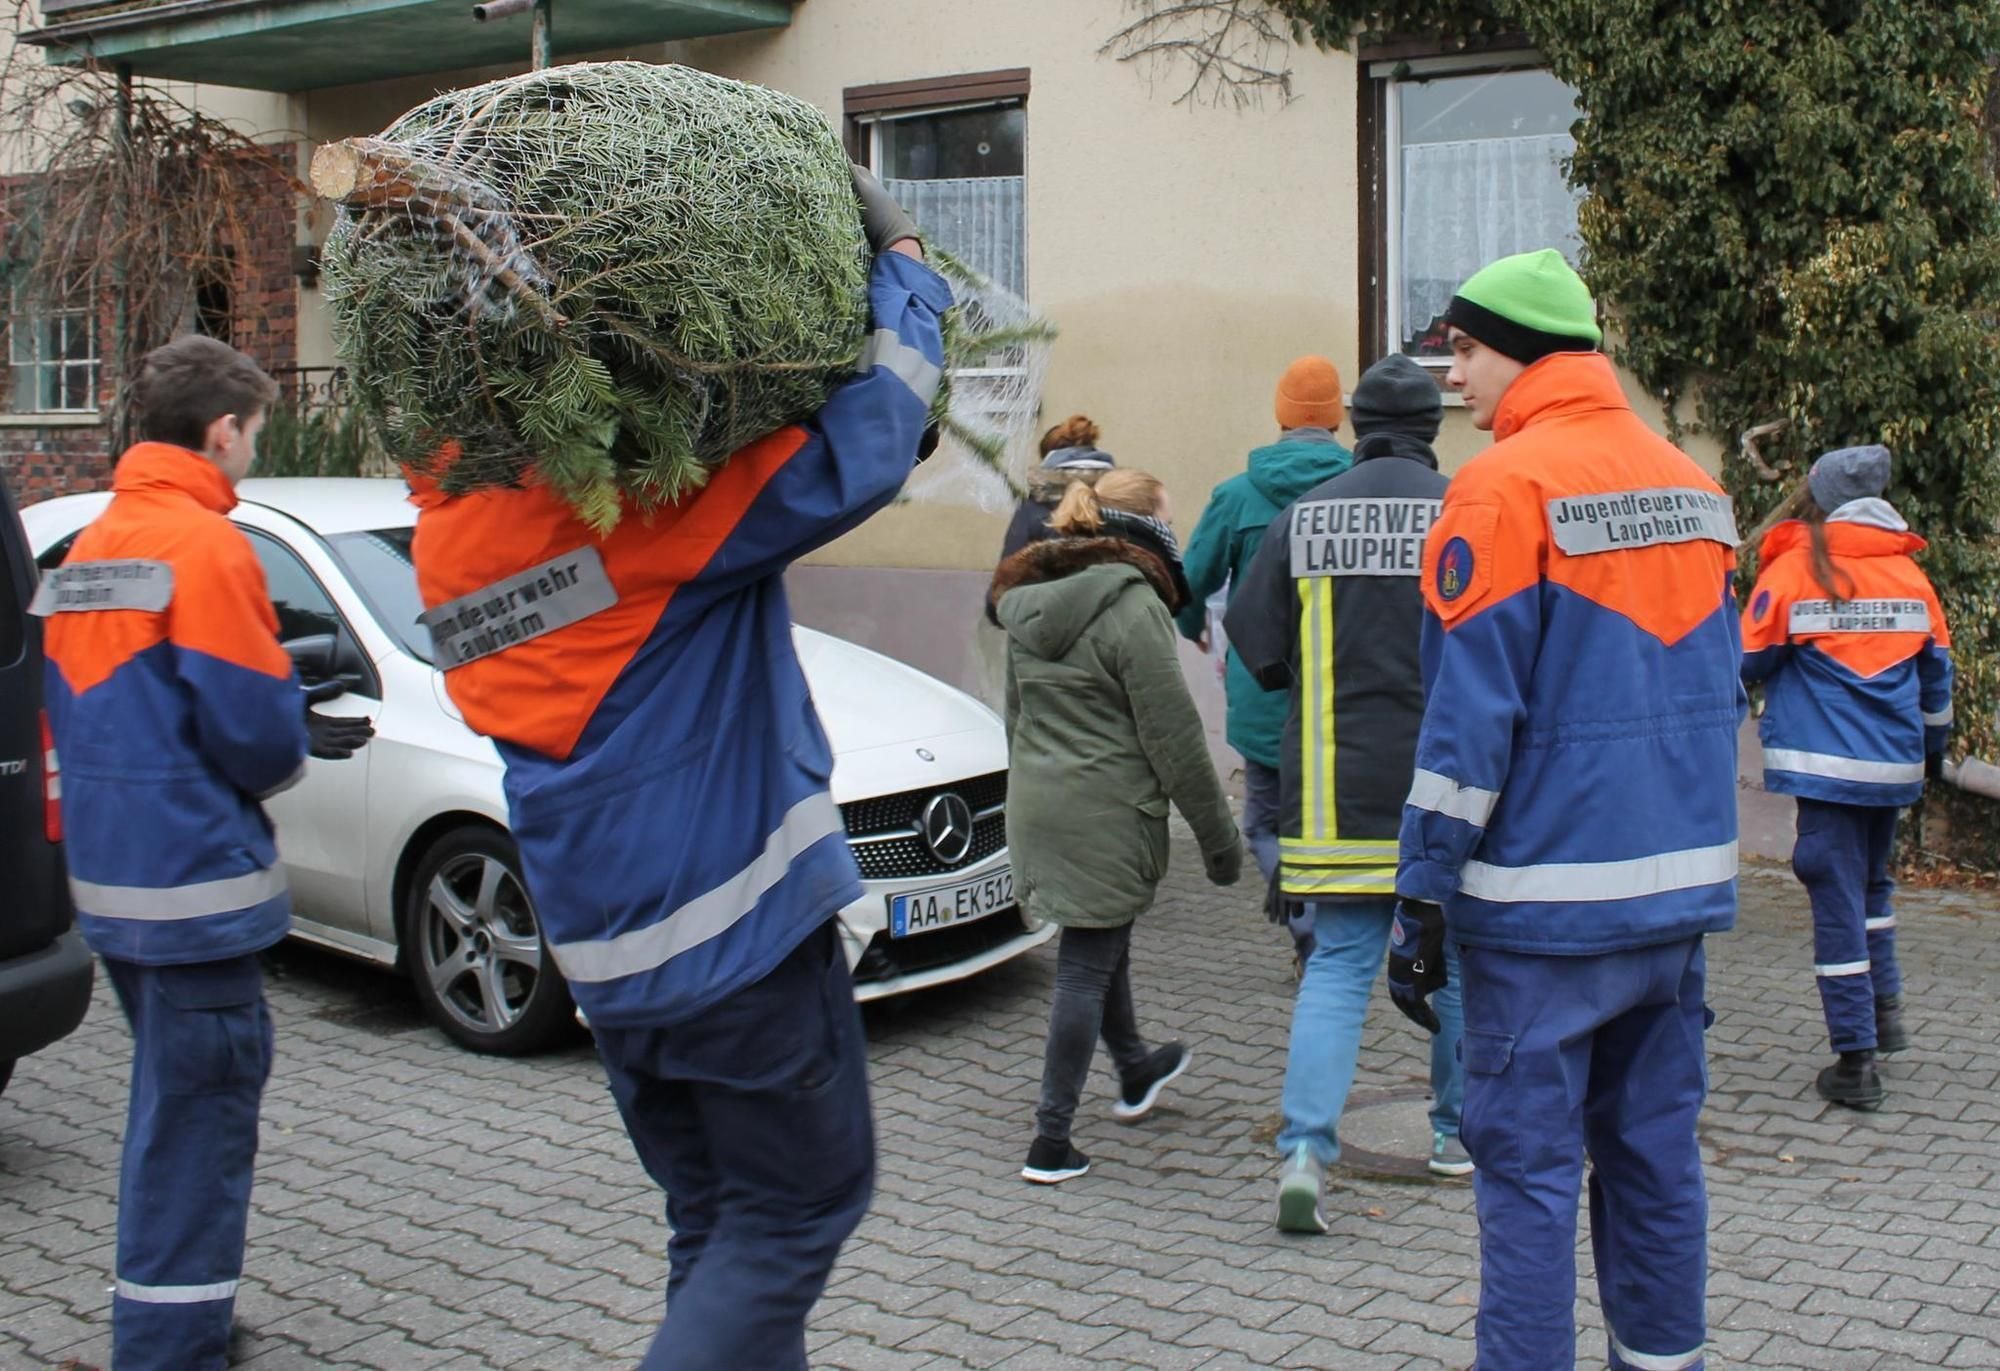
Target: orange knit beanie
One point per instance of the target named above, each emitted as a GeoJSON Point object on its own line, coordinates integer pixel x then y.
{"type": "Point", "coordinates": [1309, 395]}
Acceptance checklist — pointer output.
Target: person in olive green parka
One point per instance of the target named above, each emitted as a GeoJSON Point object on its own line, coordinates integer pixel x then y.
{"type": "Point", "coordinates": [1102, 735]}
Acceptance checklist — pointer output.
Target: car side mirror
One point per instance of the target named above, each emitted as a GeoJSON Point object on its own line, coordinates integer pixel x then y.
{"type": "Point", "coordinates": [313, 656]}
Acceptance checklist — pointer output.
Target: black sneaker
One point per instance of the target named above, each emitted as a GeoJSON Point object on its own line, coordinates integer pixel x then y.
{"type": "Point", "coordinates": [1890, 1036]}
{"type": "Point", "coordinates": [1051, 1162]}
{"type": "Point", "coordinates": [1854, 1082]}
{"type": "Point", "coordinates": [1139, 1092]}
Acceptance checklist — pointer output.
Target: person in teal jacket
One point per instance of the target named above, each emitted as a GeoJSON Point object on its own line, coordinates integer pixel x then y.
{"type": "Point", "coordinates": [1309, 408]}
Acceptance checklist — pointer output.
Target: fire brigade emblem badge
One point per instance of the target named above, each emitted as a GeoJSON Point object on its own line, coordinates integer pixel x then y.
{"type": "Point", "coordinates": [1454, 569]}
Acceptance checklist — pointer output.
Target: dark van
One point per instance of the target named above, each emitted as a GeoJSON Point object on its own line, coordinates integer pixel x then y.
{"type": "Point", "coordinates": [45, 969]}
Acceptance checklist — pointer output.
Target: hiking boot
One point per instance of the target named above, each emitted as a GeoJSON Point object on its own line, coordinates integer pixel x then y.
{"type": "Point", "coordinates": [1298, 1193]}
{"type": "Point", "coordinates": [1890, 1035]}
{"type": "Point", "coordinates": [1853, 1081]}
{"type": "Point", "coordinates": [1140, 1091]}
{"type": "Point", "coordinates": [1051, 1162]}
{"type": "Point", "coordinates": [1448, 1156]}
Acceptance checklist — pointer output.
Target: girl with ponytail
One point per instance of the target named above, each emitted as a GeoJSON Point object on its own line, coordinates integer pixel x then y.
{"type": "Point", "coordinates": [1846, 634]}
{"type": "Point", "coordinates": [1102, 737]}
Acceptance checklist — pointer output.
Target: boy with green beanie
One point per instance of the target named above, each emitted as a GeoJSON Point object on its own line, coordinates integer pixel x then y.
{"type": "Point", "coordinates": [1571, 826]}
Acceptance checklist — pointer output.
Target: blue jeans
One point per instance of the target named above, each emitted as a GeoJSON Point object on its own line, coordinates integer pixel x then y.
{"type": "Point", "coordinates": [1350, 947]}
{"type": "Point", "coordinates": [754, 1119]}
{"type": "Point", "coordinates": [201, 1052]}
{"type": "Point", "coordinates": [1599, 1055]}
{"type": "Point", "coordinates": [1842, 858]}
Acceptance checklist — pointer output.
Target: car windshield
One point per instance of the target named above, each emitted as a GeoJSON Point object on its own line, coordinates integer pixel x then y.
{"type": "Point", "coordinates": [378, 563]}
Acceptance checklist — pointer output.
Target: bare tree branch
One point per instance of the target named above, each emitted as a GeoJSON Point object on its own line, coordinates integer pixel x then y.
{"type": "Point", "coordinates": [129, 207]}
{"type": "Point", "coordinates": [1233, 51]}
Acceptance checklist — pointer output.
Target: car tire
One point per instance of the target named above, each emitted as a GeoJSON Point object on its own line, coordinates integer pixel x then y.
{"type": "Point", "coordinates": [6, 1075]}
{"type": "Point", "coordinates": [473, 946]}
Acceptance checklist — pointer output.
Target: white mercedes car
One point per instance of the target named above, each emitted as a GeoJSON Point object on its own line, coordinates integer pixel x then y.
{"type": "Point", "coordinates": [401, 854]}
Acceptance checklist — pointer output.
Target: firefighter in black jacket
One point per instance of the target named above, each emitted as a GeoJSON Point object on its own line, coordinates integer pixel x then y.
{"type": "Point", "coordinates": [1331, 610]}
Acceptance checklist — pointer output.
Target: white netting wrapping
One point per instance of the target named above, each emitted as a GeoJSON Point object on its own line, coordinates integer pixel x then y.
{"type": "Point", "coordinates": [609, 277]}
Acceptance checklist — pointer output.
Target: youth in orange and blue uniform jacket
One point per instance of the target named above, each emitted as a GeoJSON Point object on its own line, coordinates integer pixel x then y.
{"type": "Point", "coordinates": [1857, 694]}
{"type": "Point", "coordinates": [667, 782]}
{"type": "Point", "coordinates": [1575, 789]}
{"type": "Point", "coordinates": [175, 711]}
{"type": "Point", "coordinates": [667, 775]}
{"type": "Point", "coordinates": [1857, 691]}
{"type": "Point", "coordinates": [1574, 811]}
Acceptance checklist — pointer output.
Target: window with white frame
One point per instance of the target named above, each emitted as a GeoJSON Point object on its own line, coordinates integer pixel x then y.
{"type": "Point", "coordinates": [960, 168]}
{"type": "Point", "coordinates": [1472, 153]}
{"type": "Point", "coordinates": [52, 352]}
{"type": "Point", "coordinates": [953, 151]}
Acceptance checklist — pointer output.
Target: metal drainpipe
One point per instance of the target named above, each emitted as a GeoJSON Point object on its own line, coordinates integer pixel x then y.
{"type": "Point", "coordinates": [544, 33]}
{"type": "Point", "coordinates": [121, 269]}
{"type": "Point", "coordinates": [1974, 776]}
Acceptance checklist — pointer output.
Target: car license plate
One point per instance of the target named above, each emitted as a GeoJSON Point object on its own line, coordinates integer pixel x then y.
{"type": "Point", "coordinates": [920, 911]}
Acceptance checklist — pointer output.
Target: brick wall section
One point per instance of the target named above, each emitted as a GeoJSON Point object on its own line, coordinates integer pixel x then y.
{"type": "Point", "coordinates": [39, 463]}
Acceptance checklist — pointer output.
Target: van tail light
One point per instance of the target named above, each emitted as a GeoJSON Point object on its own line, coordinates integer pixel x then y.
{"type": "Point", "coordinates": [51, 785]}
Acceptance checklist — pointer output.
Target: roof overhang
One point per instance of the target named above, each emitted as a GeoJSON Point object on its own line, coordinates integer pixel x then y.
{"type": "Point", "coordinates": [294, 45]}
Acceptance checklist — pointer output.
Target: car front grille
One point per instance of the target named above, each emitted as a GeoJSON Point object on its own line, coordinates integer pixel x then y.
{"type": "Point", "coordinates": [883, 831]}
{"type": "Point", "coordinates": [888, 957]}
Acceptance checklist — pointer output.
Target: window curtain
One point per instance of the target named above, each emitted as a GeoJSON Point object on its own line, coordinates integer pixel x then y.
{"type": "Point", "coordinates": [979, 220]}
{"type": "Point", "coordinates": [1466, 203]}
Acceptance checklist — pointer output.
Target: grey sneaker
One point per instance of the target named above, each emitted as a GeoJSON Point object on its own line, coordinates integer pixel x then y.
{"type": "Point", "coordinates": [1448, 1156]}
{"type": "Point", "coordinates": [1298, 1193]}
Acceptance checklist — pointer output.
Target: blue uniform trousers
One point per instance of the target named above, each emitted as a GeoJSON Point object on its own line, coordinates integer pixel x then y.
{"type": "Point", "coordinates": [754, 1118]}
{"type": "Point", "coordinates": [1842, 858]}
{"type": "Point", "coordinates": [1601, 1055]}
{"type": "Point", "coordinates": [201, 1040]}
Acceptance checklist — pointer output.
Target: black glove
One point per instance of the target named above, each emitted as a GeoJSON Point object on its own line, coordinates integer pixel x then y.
{"type": "Point", "coordinates": [1934, 766]}
{"type": "Point", "coordinates": [883, 220]}
{"type": "Point", "coordinates": [1224, 868]}
{"type": "Point", "coordinates": [330, 737]}
{"type": "Point", "coordinates": [1416, 960]}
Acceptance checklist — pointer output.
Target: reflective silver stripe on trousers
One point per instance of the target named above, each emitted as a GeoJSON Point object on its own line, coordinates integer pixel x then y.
{"type": "Point", "coordinates": [1840, 968]}
{"type": "Point", "coordinates": [1841, 768]}
{"type": "Point", "coordinates": [918, 372]}
{"type": "Point", "coordinates": [1574, 882]}
{"type": "Point", "coordinates": [1941, 719]}
{"type": "Point", "coordinates": [177, 901]}
{"type": "Point", "coordinates": [175, 1294]}
{"type": "Point", "coordinates": [1656, 1361]}
{"type": "Point", "coordinates": [707, 915]}
{"type": "Point", "coordinates": [1443, 795]}
{"type": "Point", "coordinates": [1886, 921]}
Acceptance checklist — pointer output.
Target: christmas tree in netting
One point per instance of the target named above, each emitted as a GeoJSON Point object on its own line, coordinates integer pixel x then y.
{"type": "Point", "coordinates": [606, 276]}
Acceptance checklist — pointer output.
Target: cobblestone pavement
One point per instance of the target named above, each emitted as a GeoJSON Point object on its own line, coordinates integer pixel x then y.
{"type": "Point", "coordinates": [418, 1207]}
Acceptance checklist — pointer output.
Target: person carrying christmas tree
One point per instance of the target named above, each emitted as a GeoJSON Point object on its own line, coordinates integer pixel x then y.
{"type": "Point", "coordinates": [666, 779]}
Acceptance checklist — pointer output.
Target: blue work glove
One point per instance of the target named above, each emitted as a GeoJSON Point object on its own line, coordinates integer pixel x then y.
{"type": "Point", "coordinates": [1416, 960]}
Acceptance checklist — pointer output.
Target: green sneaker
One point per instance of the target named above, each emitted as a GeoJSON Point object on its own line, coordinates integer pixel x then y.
{"type": "Point", "coordinates": [1448, 1156]}
{"type": "Point", "coordinates": [1298, 1193]}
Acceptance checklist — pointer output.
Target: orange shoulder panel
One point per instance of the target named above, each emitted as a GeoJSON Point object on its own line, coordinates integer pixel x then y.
{"type": "Point", "coordinates": [1487, 543]}
{"type": "Point", "coordinates": [542, 693]}
{"type": "Point", "coordinates": [222, 605]}
{"type": "Point", "coordinates": [1668, 589]}
{"type": "Point", "coordinates": [88, 648]}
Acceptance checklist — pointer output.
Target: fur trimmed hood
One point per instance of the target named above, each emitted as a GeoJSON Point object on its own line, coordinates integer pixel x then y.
{"type": "Point", "coordinates": [1052, 559]}
{"type": "Point", "coordinates": [1053, 590]}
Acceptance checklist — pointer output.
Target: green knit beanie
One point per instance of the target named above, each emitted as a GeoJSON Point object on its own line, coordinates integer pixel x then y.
{"type": "Point", "coordinates": [1527, 306]}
